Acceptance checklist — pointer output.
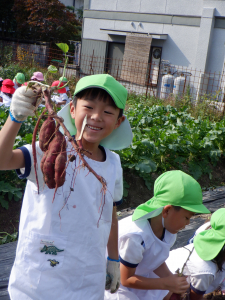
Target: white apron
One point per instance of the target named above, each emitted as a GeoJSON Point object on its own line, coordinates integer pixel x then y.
{"type": "Point", "coordinates": [61, 250]}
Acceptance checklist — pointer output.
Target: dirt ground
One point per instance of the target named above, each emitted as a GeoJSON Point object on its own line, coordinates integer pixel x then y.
{"type": "Point", "coordinates": [138, 193]}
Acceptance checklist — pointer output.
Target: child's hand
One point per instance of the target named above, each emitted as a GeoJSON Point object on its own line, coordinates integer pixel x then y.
{"type": "Point", "coordinates": [176, 284]}
{"type": "Point", "coordinates": [112, 275]}
{"type": "Point", "coordinates": [23, 104]}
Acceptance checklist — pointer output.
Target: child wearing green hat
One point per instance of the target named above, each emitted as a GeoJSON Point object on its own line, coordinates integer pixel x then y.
{"type": "Point", "coordinates": [145, 239]}
{"type": "Point", "coordinates": [61, 247]}
{"type": "Point", "coordinates": [206, 264]}
{"type": "Point", "coordinates": [18, 80]}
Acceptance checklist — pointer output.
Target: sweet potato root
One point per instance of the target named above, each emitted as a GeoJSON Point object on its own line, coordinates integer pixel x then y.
{"type": "Point", "coordinates": [60, 164]}
{"type": "Point", "coordinates": [46, 133]}
{"type": "Point", "coordinates": [49, 170]}
{"type": "Point", "coordinates": [175, 297]}
{"type": "Point", "coordinates": [53, 162]}
{"type": "Point", "coordinates": [58, 143]}
{"type": "Point", "coordinates": [43, 160]}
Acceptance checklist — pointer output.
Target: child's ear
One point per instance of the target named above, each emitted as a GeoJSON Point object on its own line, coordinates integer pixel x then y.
{"type": "Point", "coordinates": [119, 121]}
{"type": "Point", "coordinates": [166, 210]}
{"type": "Point", "coordinates": [72, 110]}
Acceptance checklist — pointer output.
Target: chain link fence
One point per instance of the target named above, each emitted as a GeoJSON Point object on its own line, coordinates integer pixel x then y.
{"type": "Point", "coordinates": [160, 79]}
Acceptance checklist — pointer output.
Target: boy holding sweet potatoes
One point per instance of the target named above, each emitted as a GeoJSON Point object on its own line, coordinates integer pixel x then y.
{"type": "Point", "coordinates": [61, 246]}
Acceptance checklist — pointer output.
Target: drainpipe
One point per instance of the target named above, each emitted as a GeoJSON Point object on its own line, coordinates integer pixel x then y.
{"type": "Point", "coordinates": [74, 6]}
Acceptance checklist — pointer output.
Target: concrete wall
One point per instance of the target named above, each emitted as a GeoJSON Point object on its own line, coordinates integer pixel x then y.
{"type": "Point", "coordinates": [187, 7]}
{"type": "Point", "coordinates": [176, 49]}
{"type": "Point", "coordinates": [187, 24]}
{"type": "Point", "coordinates": [195, 30]}
{"type": "Point", "coordinates": [93, 57]}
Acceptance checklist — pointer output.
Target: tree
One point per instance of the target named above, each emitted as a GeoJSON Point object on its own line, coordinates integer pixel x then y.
{"type": "Point", "coordinates": [45, 20]}
{"type": "Point", "coordinates": [7, 20]}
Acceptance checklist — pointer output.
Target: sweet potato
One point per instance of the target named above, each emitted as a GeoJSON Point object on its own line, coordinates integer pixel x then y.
{"type": "Point", "coordinates": [58, 143]}
{"type": "Point", "coordinates": [175, 296]}
{"type": "Point", "coordinates": [43, 160]}
{"type": "Point", "coordinates": [46, 133]}
{"type": "Point", "coordinates": [60, 173]}
{"type": "Point", "coordinates": [54, 161]}
{"type": "Point", "coordinates": [49, 170]}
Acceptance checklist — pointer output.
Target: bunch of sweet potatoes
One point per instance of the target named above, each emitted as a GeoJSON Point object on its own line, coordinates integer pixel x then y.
{"type": "Point", "coordinates": [53, 143]}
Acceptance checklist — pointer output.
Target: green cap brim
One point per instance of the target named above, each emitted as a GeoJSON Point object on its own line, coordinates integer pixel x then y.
{"type": "Point", "coordinates": [149, 210]}
{"type": "Point", "coordinates": [173, 188]}
{"type": "Point", "coordinates": [208, 244]}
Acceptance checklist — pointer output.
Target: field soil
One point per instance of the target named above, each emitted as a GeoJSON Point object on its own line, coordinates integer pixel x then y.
{"type": "Point", "coordinates": [137, 194]}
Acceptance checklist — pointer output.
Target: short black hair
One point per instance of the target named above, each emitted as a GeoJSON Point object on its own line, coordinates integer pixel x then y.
{"type": "Point", "coordinates": [220, 259]}
{"type": "Point", "coordinates": [177, 208]}
{"type": "Point", "coordinates": [94, 93]}
{"type": "Point", "coordinates": [8, 94]}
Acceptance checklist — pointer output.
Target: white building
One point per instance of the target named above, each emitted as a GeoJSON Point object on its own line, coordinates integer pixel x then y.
{"type": "Point", "coordinates": [187, 33]}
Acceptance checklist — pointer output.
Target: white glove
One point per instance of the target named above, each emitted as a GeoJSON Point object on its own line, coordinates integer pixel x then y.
{"type": "Point", "coordinates": [22, 104]}
{"type": "Point", "coordinates": [112, 275]}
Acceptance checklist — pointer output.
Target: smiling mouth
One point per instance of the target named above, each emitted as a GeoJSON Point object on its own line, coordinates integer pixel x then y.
{"type": "Point", "coordinates": [94, 128]}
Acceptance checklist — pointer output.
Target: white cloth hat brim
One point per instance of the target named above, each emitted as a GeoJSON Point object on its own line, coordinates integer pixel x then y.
{"type": "Point", "coordinates": [119, 139]}
{"type": "Point", "coordinates": [151, 214]}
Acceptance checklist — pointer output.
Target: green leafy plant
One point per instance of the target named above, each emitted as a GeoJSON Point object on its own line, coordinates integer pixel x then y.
{"type": "Point", "coordinates": [125, 189]}
{"type": "Point", "coordinates": [51, 69]}
{"type": "Point", "coordinates": [8, 238]}
{"type": "Point", "coordinates": [6, 54]}
{"type": "Point", "coordinates": [10, 185]}
{"type": "Point", "coordinates": [9, 192]}
{"type": "Point", "coordinates": [64, 47]}
{"type": "Point", "coordinates": [166, 138]}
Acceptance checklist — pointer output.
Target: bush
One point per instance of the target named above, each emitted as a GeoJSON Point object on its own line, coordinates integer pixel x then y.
{"type": "Point", "coordinates": [11, 185]}
{"type": "Point", "coordinates": [166, 138]}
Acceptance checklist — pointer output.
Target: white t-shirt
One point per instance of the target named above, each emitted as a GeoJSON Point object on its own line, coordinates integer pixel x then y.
{"type": "Point", "coordinates": [60, 97]}
{"type": "Point", "coordinates": [139, 248]}
{"type": "Point", "coordinates": [61, 247]}
{"type": "Point", "coordinates": [6, 99]}
{"type": "Point", "coordinates": [203, 275]}
{"type": "Point", "coordinates": [1, 103]}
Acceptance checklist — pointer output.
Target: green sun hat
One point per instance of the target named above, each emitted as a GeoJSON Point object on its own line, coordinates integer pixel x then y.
{"type": "Point", "coordinates": [208, 243]}
{"type": "Point", "coordinates": [172, 188]}
{"type": "Point", "coordinates": [20, 78]}
{"type": "Point", "coordinates": [106, 82]}
{"type": "Point", "coordinates": [122, 136]}
{"type": "Point", "coordinates": [64, 79]}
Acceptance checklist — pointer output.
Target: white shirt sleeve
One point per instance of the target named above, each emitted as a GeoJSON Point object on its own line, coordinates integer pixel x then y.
{"type": "Point", "coordinates": [118, 189]}
{"type": "Point", "coordinates": [64, 97]}
{"type": "Point", "coordinates": [131, 250]}
{"type": "Point", "coordinates": [201, 282]}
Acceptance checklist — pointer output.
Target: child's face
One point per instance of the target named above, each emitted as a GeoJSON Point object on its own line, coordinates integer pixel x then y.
{"type": "Point", "coordinates": [18, 84]}
{"type": "Point", "coordinates": [175, 220]}
{"type": "Point", "coordinates": [102, 119]}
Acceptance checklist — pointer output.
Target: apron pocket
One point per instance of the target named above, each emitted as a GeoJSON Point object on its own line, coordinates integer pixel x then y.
{"type": "Point", "coordinates": [44, 252]}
